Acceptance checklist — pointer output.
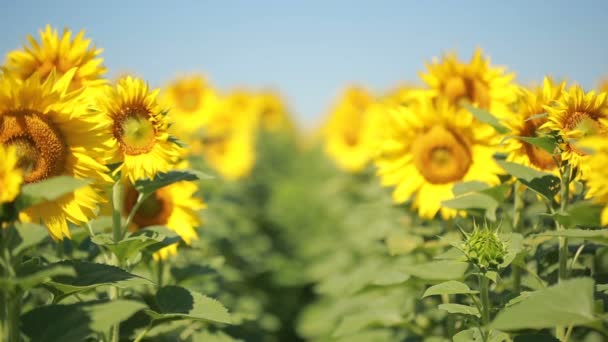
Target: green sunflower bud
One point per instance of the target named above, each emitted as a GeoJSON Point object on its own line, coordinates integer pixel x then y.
{"type": "Point", "coordinates": [484, 248]}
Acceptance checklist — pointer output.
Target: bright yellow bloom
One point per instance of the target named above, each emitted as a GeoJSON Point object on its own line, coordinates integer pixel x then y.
{"type": "Point", "coordinates": [526, 122]}
{"type": "Point", "coordinates": [174, 206]}
{"type": "Point", "coordinates": [60, 53]}
{"type": "Point", "coordinates": [428, 147]}
{"type": "Point", "coordinates": [596, 175]}
{"type": "Point", "coordinates": [188, 99]}
{"type": "Point", "coordinates": [273, 112]}
{"type": "Point", "coordinates": [55, 133]}
{"type": "Point", "coordinates": [139, 128]}
{"type": "Point", "coordinates": [344, 141]}
{"type": "Point", "coordinates": [574, 116]}
{"type": "Point", "coordinates": [604, 85]}
{"type": "Point", "coordinates": [477, 82]}
{"type": "Point", "coordinates": [10, 174]}
{"type": "Point", "coordinates": [228, 139]}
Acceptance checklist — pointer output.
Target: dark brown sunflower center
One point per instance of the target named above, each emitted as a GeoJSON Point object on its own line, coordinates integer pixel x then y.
{"type": "Point", "coordinates": [460, 88]}
{"type": "Point", "coordinates": [155, 210]}
{"type": "Point", "coordinates": [440, 156]}
{"type": "Point", "coordinates": [537, 156]}
{"type": "Point", "coordinates": [135, 132]}
{"type": "Point", "coordinates": [41, 148]}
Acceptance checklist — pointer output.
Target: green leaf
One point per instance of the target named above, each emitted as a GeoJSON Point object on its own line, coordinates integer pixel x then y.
{"type": "Point", "coordinates": [399, 243]}
{"type": "Point", "coordinates": [466, 187]}
{"type": "Point", "coordinates": [162, 179]}
{"type": "Point", "coordinates": [354, 323]}
{"type": "Point", "coordinates": [546, 142]}
{"type": "Point", "coordinates": [216, 336]}
{"type": "Point", "coordinates": [474, 335]}
{"type": "Point", "coordinates": [599, 236]}
{"type": "Point", "coordinates": [602, 288]}
{"type": "Point", "coordinates": [474, 200]}
{"type": "Point", "coordinates": [515, 244]}
{"type": "Point", "coordinates": [48, 190]}
{"type": "Point", "coordinates": [131, 245]}
{"type": "Point", "coordinates": [91, 275]}
{"type": "Point", "coordinates": [33, 274]}
{"type": "Point", "coordinates": [581, 214]}
{"type": "Point", "coordinates": [449, 287]}
{"type": "Point", "coordinates": [179, 303]}
{"type": "Point", "coordinates": [104, 315]}
{"type": "Point", "coordinates": [459, 309]}
{"type": "Point", "coordinates": [29, 235]}
{"type": "Point", "coordinates": [543, 183]}
{"type": "Point", "coordinates": [487, 117]}
{"type": "Point", "coordinates": [436, 270]}
{"type": "Point", "coordinates": [567, 303]}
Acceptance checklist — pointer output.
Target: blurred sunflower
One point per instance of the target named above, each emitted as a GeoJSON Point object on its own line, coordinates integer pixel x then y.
{"type": "Point", "coordinates": [574, 116]}
{"type": "Point", "coordinates": [526, 122]}
{"type": "Point", "coordinates": [428, 147]}
{"type": "Point", "coordinates": [188, 98]}
{"type": "Point", "coordinates": [10, 174]}
{"type": "Point", "coordinates": [477, 82]}
{"type": "Point", "coordinates": [596, 176]}
{"type": "Point", "coordinates": [139, 128]}
{"type": "Point", "coordinates": [173, 206]}
{"type": "Point", "coordinates": [343, 131]}
{"type": "Point", "coordinates": [54, 133]}
{"type": "Point", "coordinates": [273, 112]}
{"type": "Point", "coordinates": [60, 53]}
{"type": "Point", "coordinates": [603, 86]}
{"type": "Point", "coordinates": [227, 142]}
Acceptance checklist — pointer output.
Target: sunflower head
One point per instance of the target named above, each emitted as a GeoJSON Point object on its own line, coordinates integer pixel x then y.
{"type": "Point", "coordinates": [527, 121]}
{"type": "Point", "coordinates": [60, 53]}
{"type": "Point", "coordinates": [272, 111]}
{"type": "Point", "coordinates": [475, 82]}
{"type": "Point", "coordinates": [139, 127]}
{"type": "Point", "coordinates": [10, 174]}
{"type": "Point", "coordinates": [484, 248]}
{"type": "Point", "coordinates": [343, 131]}
{"type": "Point", "coordinates": [54, 132]}
{"type": "Point", "coordinates": [596, 175]}
{"type": "Point", "coordinates": [427, 147]}
{"type": "Point", "coordinates": [574, 116]}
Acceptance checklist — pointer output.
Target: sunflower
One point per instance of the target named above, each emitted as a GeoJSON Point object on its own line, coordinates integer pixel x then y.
{"type": "Point", "coordinates": [343, 131]}
{"type": "Point", "coordinates": [596, 175]}
{"type": "Point", "coordinates": [60, 53]}
{"type": "Point", "coordinates": [428, 147]}
{"type": "Point", "coordinates": [139, 128]}
{"type": "Point", "coordinates": [477, 82]}
{"type": "Point", "coordinates": [273, 112]}
{"type": "Point", "coordinates": [54, 133]}
{"type": "Point", "coordinates": [227, 141]}
{"type": "Point", "coordinates": [189, 98]}
{"type": "Point", "coordinates": [527, 121]}
{"type": "Point", "coordinates": [10, 174]}
{"type": "Point", "coordinates": [574, 116]}
{"type": "Point", "coordinates": [173, 206]}
{"type": "Point", "coordinates": [603, 85]}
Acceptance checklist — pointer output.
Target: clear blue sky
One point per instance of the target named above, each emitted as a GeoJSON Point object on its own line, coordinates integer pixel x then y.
{"type": "Point", "coordinates": [311, 49]}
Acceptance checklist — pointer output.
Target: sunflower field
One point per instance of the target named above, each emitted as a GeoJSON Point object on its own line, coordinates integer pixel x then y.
{"type": "Point", "coordinates": [468, 208]}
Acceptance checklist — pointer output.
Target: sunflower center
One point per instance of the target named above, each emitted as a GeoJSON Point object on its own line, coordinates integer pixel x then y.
{"type": "Point", "coordinates": [155, 210]}
{"type": "Point", "coordinates": [41, 148]}
{"type": "Point", "coordinates": [189, 100]}
{"type": "Point", "coordinates": [135, 133]}
{"type": "Point", "coordinates": [440, 156]}
{"type": "Point", "coordinates": [537, 156]}
{"type": "Point", "coordinates": [460, 88]}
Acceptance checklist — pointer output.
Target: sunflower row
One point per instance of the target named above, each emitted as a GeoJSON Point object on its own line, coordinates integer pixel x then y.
{"type": "Point", "coordinates": [424, 140]}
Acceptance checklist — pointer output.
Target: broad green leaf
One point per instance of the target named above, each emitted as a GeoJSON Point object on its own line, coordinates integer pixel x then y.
{"type": "Point", "coordinates": [216, 336]}
{"type": "Point", "coordinates": [48, 190]}
{"type": "Point", "coordinates": [449, 287]}
{"type": "Point", "coordinates": [581, 214]}
{"type": "Point", "coordinates": [466, 187]}
{"type": "Point", "coordinates": [599, 236]}
{"type": "Point", "coordinates": [474, 200]}
{"type": "Point", "coordinates": [543, 183]}
{"type": "Point", "coordinates": [474, 335]}
{"type": "Point", "coordinates": [91, 275]}
{"type": "Point", "coordinates": [487, 117]}
{"type": "Point", "coordinates": [102, 316]}
{"type": "Point", "coordinates": [29, 235]}
{"type": "Point", "coordinates": [515, 244]}
{"type": "Point", "coordinates": [352, 324]}
{"type": "Point", "coordinates": [436, 270]}
{"type": "Point", "coordinates": [171, 237]}
{"type": "Point", "coordinates": [401, 243]}
{"type": "Point", "coordinates": [34, 274]}
{"type": "Point", "coordinates": [546, 142]}
{"type": "Point", "coordinates": [177, 302]}
{"type": "Point", "coordinates": [460, 309]}
{"type": "Point", "coordinates": [537, 337]}
{"type": "Point", "coordinates": [148, 186]}
{"type": "Point", "coordinates": [131, 245]}
{"type": "Point", "coordinates": [53, 323]}
{"type": "Point", "coordinates": [602, 288]}
{"type": "Point", "coordinates": [567, 303]}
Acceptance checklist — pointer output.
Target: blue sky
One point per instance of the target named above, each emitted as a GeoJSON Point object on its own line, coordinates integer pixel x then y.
{"type": "Point", "coordinates": [309, 50]}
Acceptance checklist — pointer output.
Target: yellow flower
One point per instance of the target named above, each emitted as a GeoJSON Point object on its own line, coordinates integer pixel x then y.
{"type": "Point", "coordinates": [60, 53]}
{"type": "Point", "coordinates": [603, 86]}
{"type": "Point", "coordinates": [574, 116]}
{"type": "Point", "coordinates": [173, 206]}
{"type": "Point", "coordinates": [273, 112]}
{"type": "Point", "coordinates": [477, 82]}
{"type": "Point", "coordinates": [139, 128]}
{"type": "Point", "coordinates": [596, 176]}
{"type": "Point", "coordinates": [54, 133]}
{"type": "Point", "coordinates": [10, 174]}
{"type": "Point", "coordinates": [428, 147]}
{"type": "Point", "coordinates": [188, 99]}
{"type": "Point", "coordinates": [343, 131]}
{"type": "Point", "coordinates": [228, 139]}
{"type": "Point", "coordinates": [526, 122]}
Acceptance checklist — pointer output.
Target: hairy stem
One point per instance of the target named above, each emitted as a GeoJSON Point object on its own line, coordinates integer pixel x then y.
{"type": "Point", "coordinates": [518, 206]}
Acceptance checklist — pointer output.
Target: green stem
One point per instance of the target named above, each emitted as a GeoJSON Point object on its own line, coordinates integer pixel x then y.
{"type": "Point", "coordinates": [140, 199]}
{"type": "Point", "coordinates": [144, 332]}
{"type": "Point", "coordinates": [117, 198]}
{"type": "Point", "coordinates": [486, 305]}
{"type": "Point", "coordinates": [563, 242]}
{"type": "Point", "coordinates": [518, 206]}
{"type": "Point", "coordinates": [11, 296]}
{"type": "Point", "coordinates": [161, 272]}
